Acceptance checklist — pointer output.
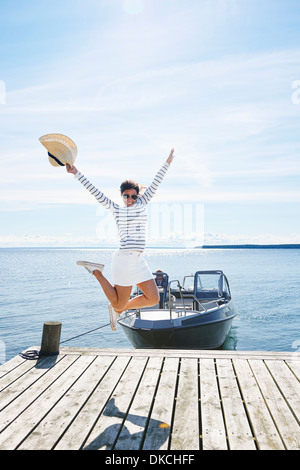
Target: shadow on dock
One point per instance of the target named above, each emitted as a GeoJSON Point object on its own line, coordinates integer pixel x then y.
{"type": "Point", "coordinates": [122, 434]}
{"type": "Point", "coordinates": [46, 362]}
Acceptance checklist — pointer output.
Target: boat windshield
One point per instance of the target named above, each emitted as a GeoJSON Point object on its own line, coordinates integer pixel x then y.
{"type": "Point", "coordinates": [210, 285]}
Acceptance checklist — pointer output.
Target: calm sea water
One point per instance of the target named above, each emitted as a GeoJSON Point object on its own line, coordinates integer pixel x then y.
{"type": "Point", "coordinates": [38, 285]}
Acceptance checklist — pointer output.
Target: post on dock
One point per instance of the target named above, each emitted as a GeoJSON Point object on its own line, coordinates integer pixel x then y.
{"type": "Point", "coordinates": [50, 338]}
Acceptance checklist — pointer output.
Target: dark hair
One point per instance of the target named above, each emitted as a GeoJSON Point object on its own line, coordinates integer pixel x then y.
{"type": "Point", "coordinates": [129, 184]}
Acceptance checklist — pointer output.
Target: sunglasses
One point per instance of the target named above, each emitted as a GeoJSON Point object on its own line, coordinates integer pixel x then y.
{"type": "Point", "coordinates": [127, 196]}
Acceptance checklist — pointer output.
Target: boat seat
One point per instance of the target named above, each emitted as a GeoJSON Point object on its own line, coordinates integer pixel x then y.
{"type": "Point", "coordinates": [207, 294]}
{"type": "Point", "coordinates": [177, 295]}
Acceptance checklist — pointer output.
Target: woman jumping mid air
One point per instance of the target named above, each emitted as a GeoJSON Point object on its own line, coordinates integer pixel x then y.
{"type": "Point", "coordinates": [129, 267]}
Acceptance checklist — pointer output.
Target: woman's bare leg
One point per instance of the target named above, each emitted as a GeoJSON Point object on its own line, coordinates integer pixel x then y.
{"type": "Point", "coordinates": [149, 297]}
{"type": "Point", "coordinates": [118, 296]}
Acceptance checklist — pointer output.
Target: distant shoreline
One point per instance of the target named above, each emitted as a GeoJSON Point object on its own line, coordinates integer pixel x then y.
{"type": "Point", "coordinates": [204, 247]}
{"type": "Point", "coordinates": [251, 246]}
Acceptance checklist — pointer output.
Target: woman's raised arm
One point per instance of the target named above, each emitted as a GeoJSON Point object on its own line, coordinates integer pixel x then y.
{"type": "Point", "coordinates": [101, 198]}
{"type": "Point", "coordinates": [151, 190]}
{"type": "Point", "coordinates": [171, 156]}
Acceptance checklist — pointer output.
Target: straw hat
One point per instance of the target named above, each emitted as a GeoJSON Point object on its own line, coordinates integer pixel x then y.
{"type": "Point", "coordinates": [61, 149]}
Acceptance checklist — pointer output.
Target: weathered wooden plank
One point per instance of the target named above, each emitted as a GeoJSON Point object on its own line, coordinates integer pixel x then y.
{"type": "Point", "coordinates": [133, 429]}
{"type": "Point", "coordinates": [17, 399]}
{"type": "Point", "coordinates": [159, 426]}
{"type": "Point", "coordinates": [267, 437]}
{"type": "Point", "coordinates": [286, 423]}
{"type": "Point", "coordinates": [23, 425]}
{"type": "Point", "coordinates": [186, 426]}
{"type": "Point", "coordinates": [20, 379]}
{"type": "Point", "coordinates": [109, 423]}
{"type": "Point", "coordinates": [17, 373]}
{"type": "Point", "coordinates": [294, 366]}
{"type": "Point", "coordinates": [287, 384]}
{"type": "Point", "coordinates": [213, 426]}
{"type": "Point", "coordinates": [217, 354]}
{"type": "Point", "coordinates": [238, 429]}
{"type": "Point", "coordinates": [62, 414]}
{"type": "Point", "coordinates": [13, 375]}
{"type": "Point", "coordinates": [10, 365]}
{"type": "Point", "coordinates": [77, 433]}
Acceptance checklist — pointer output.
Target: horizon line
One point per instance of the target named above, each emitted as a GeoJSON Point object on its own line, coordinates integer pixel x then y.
{"type": "Point", "coordinates": [224, 246]}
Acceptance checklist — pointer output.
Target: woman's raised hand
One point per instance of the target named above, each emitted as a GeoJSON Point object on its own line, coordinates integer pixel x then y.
{"type": "Point", "coordinates": [71, 169]}
{"type": "Point", "coordinates": [171, 156]}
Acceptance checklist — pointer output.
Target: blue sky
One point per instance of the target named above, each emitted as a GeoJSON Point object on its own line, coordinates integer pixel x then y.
{"type": "Point", "coordinates": [129, 79]}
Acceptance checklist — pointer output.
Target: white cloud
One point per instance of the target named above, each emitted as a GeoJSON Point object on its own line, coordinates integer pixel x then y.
{"type": "Point", "coordinates": [35, 240]}
{"type": "Point", "coordinates": [206, 84]}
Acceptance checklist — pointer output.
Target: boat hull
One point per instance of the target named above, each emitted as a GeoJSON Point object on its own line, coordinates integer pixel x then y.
{"type": "Point", "coordinates": [198, 331]}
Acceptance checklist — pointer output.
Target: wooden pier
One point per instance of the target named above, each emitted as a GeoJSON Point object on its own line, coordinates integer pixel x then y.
{"type": "Point", "coordinates": [151, 400]}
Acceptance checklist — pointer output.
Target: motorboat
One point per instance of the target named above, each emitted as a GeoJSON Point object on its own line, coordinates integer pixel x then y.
{"type": "Point", "coordinates": [195, 314]}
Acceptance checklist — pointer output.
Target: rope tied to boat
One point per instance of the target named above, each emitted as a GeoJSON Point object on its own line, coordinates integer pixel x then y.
{"type": "Point", "coordinates": [34, 354]}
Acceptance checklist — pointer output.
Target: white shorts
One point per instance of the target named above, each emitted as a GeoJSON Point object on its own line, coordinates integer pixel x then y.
{"type": "Point", "coordinates": [130, 268]}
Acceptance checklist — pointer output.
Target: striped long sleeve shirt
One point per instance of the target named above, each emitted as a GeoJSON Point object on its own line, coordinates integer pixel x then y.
{"type": "Point", "coordinates": [131, 221]}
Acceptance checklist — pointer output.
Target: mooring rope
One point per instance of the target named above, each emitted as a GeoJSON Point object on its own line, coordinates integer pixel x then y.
{"type": "Point", "coordinates": [33, 354]}
{"type": "Point", "coordinates": [87, 332]}
{"type": "Point", "coordinates": [94, 329]}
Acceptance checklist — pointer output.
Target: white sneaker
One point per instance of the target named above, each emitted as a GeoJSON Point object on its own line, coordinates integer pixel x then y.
{"type": "Point", "coordinates": [113, 317]}
{"type": "Point", "coordinates": [91, 267]}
